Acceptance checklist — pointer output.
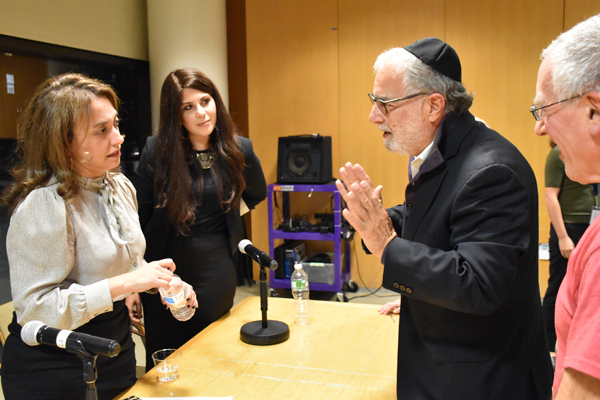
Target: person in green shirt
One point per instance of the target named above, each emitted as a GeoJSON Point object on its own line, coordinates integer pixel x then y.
{"type": "Point", "coordinates": [569, 206]}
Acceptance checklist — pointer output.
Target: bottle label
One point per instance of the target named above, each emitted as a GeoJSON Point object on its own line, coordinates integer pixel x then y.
{"type": "Point", "coordinates": [179, 297]}
{"type": "Point", "coordinates": [300, 284]}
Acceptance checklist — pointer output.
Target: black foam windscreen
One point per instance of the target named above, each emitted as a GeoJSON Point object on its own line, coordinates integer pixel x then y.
{"type": "Point", "coordinates": [304, 159]}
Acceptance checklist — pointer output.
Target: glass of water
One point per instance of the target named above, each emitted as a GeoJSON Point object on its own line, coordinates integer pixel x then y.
{"type": "Point", "coordinates": [166, 362]}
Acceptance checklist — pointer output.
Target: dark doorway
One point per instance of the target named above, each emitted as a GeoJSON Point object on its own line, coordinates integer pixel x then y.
{"type": "Point", "coordinates": [24, 64]}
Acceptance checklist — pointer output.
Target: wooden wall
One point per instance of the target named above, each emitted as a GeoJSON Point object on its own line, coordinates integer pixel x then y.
{"type": "Point", "coordinates": [309, 69]}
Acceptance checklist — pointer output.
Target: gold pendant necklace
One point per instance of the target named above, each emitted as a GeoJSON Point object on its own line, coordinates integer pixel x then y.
{"type": "Point", "coordinates": [205, 159]}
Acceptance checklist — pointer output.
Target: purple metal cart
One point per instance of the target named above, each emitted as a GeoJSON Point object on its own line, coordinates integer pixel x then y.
{"type": "Point", "coordinates": [342, 276]}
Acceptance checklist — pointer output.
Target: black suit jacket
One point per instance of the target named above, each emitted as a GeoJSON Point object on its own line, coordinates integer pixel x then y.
{"type": "Point", "coordinates": [155, 221]}
{"type": "Point", "coordinates": [465, 263]}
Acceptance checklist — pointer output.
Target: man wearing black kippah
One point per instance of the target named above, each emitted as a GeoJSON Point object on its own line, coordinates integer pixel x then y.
{"type": "Point", "coordinates": [462, 249]}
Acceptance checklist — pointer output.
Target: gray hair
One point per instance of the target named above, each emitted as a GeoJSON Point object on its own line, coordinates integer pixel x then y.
{"type": "Point", "coordinates": [574, 57]}
{"type": "Point", "coordinates": [419, 76]}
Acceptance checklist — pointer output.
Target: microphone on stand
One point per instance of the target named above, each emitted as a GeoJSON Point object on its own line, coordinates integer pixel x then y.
{"type": "Point", "coordinates": [257, 255]}
{"type": "Point", "coordinates": [264, 332]}
{"type": "Point", "coordinates": [35, 333]}
{"type": "Point", "coordinates": [86, 347]}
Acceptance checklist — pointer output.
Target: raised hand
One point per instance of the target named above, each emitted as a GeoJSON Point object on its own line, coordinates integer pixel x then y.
{"type": "Point", "coordinates": [365, 210]}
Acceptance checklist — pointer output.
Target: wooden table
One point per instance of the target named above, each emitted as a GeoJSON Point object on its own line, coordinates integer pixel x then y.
{"type": "Point", "coordinates": [348, 351]}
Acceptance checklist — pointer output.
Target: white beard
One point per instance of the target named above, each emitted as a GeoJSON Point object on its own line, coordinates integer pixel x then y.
{"type": "Point", "coordinates": [405, 146]}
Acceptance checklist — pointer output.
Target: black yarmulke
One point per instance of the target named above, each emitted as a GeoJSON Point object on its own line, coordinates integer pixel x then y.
{"type": "Point", "coordinates": [438, 55]}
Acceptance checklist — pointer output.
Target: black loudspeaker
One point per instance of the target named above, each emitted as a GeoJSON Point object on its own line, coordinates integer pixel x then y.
{"type": "Point", "coordinates": [304, 159]}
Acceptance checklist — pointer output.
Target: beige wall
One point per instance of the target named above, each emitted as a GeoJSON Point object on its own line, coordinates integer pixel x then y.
{"type": "Point", "coordinates": [310, 69]}
{"type": "Point", "coordinates": [192, 35]}
{"type": "Point", "coordinates": [116, 27]}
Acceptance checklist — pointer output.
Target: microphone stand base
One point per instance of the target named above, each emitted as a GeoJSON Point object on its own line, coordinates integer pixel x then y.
{"type": "Point", "coordinates": [254, 333]}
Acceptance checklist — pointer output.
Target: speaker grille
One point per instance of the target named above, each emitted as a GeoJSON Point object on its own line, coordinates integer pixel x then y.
{"type": "Point", "coordinates": [304, 159]}
{"type": "Point", "coordinates": [298, 162]}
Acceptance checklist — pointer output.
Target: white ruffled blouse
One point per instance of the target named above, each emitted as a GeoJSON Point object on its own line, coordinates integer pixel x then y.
{"type": "Point", "coordinates": [61, 253]}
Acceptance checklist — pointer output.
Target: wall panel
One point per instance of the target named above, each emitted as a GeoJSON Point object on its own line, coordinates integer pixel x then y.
{"type": "Point", "coordinates": [366, 29]}
{"type": "Point", "coordinates": [579, 10]}
{"type": "Point", "coordinates": [499, 44]}
{"type": "Point", "coordinates": [292, 81]}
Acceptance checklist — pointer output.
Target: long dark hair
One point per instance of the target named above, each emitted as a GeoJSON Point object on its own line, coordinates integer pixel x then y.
{"type": "Point", "coordinates": [45, 132]}
{"type": "Point", "coordinates": [174, 182]}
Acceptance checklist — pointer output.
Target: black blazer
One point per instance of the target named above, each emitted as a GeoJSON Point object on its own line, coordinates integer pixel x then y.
{"type": "Point", "coordinates": [155, 221]}
{"type": "Point", "coordinates": [465, 263]}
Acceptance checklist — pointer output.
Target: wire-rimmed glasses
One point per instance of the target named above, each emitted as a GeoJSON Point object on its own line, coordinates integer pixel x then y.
{"type": "Point", "coordinates": [382, 104]}
{"type": "Point", "coordinates": [539, 115]}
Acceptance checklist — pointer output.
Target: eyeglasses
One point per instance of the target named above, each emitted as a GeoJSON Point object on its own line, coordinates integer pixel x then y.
{"type": "Point", "coordinates": [382, 104]}
{"type": "Point", "coordinates": [539, 115]}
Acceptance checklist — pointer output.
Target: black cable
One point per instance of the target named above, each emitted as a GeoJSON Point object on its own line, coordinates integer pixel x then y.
{"type": "Point", "coordinates": [363, 282]}
{"type": "Point", "coordinates": [279, 211]}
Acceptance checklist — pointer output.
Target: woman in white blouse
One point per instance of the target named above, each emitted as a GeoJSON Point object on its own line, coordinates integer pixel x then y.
{"type": "Point", "coordinates": [74, 244]}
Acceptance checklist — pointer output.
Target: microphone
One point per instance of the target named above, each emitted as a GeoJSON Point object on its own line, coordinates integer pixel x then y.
{"type": "Point", "coordinates": [35, 333]}
{"type": "Point", "coordinates": [259, 256]}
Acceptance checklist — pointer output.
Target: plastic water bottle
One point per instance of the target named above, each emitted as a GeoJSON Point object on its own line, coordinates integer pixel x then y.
{"type": "Point", "coordinates": [300, 292]}
{"type": "Point", "coordinates": [176, 297]}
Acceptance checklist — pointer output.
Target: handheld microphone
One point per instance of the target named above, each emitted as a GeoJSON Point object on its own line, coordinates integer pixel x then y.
{"type": "Point", "coordinates": [35, 333]}
{"type": "Point", "coordinates": [259, 256]}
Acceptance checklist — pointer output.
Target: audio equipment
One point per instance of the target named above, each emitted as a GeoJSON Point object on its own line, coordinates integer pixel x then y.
{"type": "Point", "coordinates": [35, 333]}
{"type": "Point", "coordinates": [286, 254]}
{"type": "Point", "coordinates": [304, 159]}
{"type": "Point", "coordinates": [264, 331]}
{"type": "Point", "coordinates": [257, 255]}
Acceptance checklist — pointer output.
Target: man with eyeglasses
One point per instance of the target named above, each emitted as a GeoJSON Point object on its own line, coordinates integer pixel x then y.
{"type": "Point", "coordinates": [462, 250]}
{"type": "Point", "coordinates": [567, 109]}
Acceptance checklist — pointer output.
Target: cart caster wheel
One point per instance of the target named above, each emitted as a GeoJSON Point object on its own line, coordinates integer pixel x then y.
{"type": "Point", "coordinates": [352, 286]}
{"type": "Point", "coordinates": [274, 293]}
{"type": "Point", "coordinates": [341, 297]}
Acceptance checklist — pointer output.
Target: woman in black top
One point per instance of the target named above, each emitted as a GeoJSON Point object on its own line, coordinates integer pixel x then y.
{"type": "Point", "coordinates": [192, 180]}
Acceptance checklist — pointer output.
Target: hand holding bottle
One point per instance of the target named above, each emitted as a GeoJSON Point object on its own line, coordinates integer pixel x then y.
{"type": "Point", "coordinates": [180, 298]}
